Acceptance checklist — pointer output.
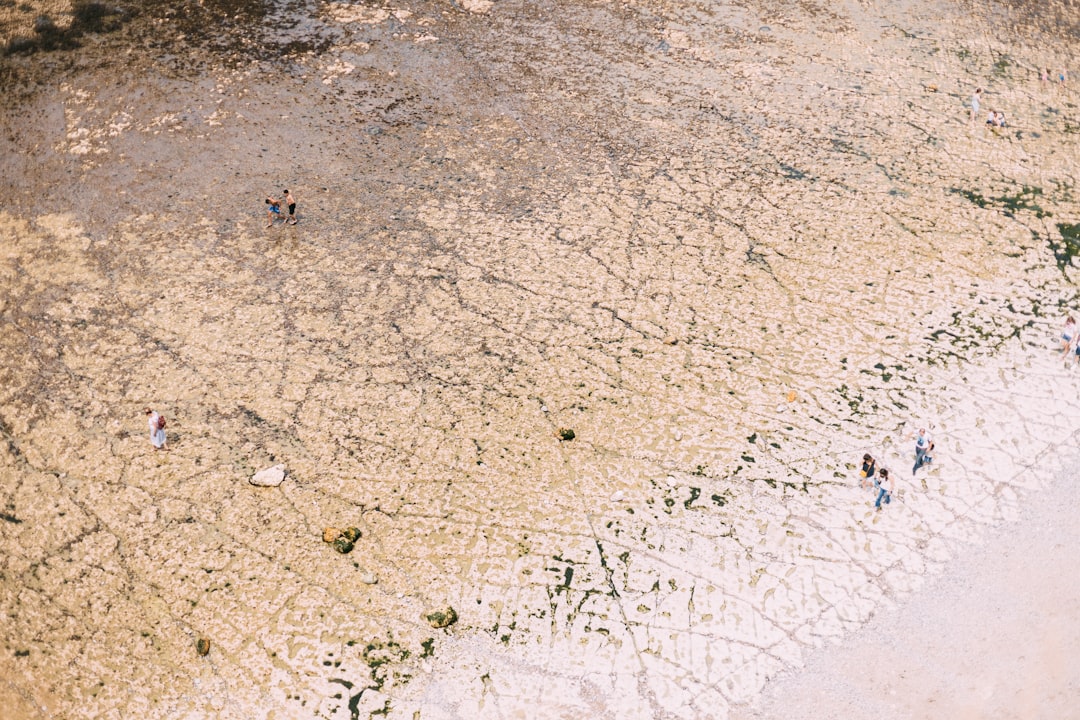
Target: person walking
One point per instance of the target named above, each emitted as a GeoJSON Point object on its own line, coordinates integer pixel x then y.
{"type": "Point", "coordinates": [923, 446]}
{"type": "Point", "coordinates": [1068, 334]}
{"type": "Point", "coordinates": [975, 104]}
{"type": "Point", "coordinates": [290, 201]}
{"type": "Point", "coordinates": [869, 467]}
{"type": "Point", "coordinates": [156, 421]}
{"type": "Point", "coordinates": [879, 485]}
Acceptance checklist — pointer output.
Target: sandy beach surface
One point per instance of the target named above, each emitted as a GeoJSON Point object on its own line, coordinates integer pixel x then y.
{"type": "Point", "coordinates": [993, 636]}
{"type": "Point", "coordinates": [564, 372]}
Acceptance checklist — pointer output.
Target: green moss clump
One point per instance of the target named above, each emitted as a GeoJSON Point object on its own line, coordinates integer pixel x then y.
{"type": "Point", "coordinates": [442, 618]}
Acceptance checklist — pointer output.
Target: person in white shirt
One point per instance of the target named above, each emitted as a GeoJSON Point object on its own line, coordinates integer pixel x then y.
{"type": "Point", "coordinates": [923, 446]}
{"type": "Point", "coordinates": [1068, 335]}
{"type": "Point", "coordinates": [157, 429]}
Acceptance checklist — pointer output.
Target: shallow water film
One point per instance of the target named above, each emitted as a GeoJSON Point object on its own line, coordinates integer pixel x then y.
{"type": "Point", "coordinates": [566, 369]}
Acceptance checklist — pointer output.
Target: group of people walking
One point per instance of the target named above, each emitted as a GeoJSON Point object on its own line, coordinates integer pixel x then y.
{"type": "Point", "coordinates": [996, 118]}
{"type": "Point", "coordinates": [882, 480]}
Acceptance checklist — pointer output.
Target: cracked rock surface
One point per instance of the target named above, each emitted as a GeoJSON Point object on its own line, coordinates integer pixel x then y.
{"type": "Point", "coordinates": [591, 310]}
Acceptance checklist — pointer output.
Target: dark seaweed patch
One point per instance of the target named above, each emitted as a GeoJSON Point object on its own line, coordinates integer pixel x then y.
{"type": "Point", "coordinates": [1066, 250]}
{"type": "Point", "coordinates": [87, 17]}
{"type": "Point", "coordinates": [792, 173]}
{"type": "Point", "coordinates": [974, 197]}
{"type": "Point", "coordinates": [1024, 200]}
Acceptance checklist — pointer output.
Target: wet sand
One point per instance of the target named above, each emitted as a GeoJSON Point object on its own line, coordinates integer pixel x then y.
{"type": "Point", "coordinates": [591, 311]}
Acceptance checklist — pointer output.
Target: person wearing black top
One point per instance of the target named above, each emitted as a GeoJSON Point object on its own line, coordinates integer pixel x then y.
{"type": "Point", "coordinates": [869, 467]}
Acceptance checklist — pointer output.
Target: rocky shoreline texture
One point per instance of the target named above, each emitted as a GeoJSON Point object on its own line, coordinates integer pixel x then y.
{"type": "Point", "coordinates": [591, 310]}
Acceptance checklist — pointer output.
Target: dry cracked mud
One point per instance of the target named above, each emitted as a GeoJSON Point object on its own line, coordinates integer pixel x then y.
{"type": "Point", "coordinates": [731, 247]}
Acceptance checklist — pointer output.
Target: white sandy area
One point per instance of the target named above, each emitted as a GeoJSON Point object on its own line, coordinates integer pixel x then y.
{"type": "Point", "coordinates": [996, 635]}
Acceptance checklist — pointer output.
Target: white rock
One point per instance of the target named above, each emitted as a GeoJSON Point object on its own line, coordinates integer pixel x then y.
{"type": "Point", "coordinates": [270, 477]}
{"type": "Point", "coordinates": [617, 496]}
{"type": "Point", "coordinates": [477, 6]}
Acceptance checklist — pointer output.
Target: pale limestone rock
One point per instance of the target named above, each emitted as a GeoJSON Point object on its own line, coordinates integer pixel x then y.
{"type": "Point", "coordinates": [477, 6]}
{"type": "Point", "coordinates": [349, 13]}
{"type": "Point", "coordinates": [270, 477]}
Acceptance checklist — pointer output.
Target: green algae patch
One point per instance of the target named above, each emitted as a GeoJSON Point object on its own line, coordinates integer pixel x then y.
{"type": "Point", "coordinates": [1067, 249]}
{"type": "Point", "coordinates": [1022, 200]}
{"type": "Point", "coordinates": [971, 196]}
{"type": "Point", "coordinates": [1002, 65]}
{"type": "Point", "coordinates": [442, 618]}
